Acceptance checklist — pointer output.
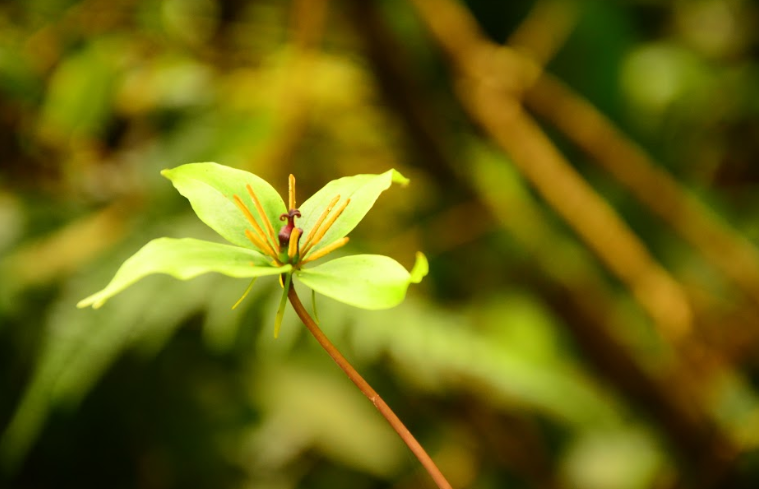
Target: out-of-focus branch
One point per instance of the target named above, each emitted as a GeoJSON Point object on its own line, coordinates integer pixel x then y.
{"type": "Point", "coordinates": [422, 123]}
{"type": "Point", "coordinates": [651, 185]}
{"type": "Point", "coordinates": [491, 81]}
{"type": "Point", "coordinates": [489, 74]}
{"type": "Point", "coordinates": [544, 31]}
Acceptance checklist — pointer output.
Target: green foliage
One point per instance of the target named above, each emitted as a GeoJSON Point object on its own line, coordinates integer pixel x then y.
{"type": "Point", "coordinates": [521, 360]}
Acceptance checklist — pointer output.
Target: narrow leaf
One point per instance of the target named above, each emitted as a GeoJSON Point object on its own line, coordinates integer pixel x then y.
{"type": "Point", "coordinates": [210, 187]}
{"type": "Point", "coordinates": [184, 259]}
{"type": "Point", "coordinates": [366, 281]}
{"type": "Point", "coordinates": [363, 191]}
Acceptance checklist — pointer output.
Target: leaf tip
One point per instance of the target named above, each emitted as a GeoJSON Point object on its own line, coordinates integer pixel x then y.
{"type": "Point", "coordinates": [399, 178]}
{"type": "Point", "coordinates": [90, 301]}
{"type": "Point", "coordinates": [421, 268]}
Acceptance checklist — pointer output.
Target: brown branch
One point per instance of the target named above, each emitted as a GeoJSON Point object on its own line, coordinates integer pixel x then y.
{"type": "Point", "coordinates": [491, 79]}
{"type": "Point", "coordinates": [730, 252]}
{"type": "Point", "coordinates": [369, 392]}
{"type": "Point", "coordinates": [545, 29]}
{"type": "Point", "coordinates": [491, 82]}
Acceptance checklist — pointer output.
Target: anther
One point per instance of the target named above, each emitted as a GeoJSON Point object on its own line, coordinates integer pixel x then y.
{"type": "Point", "coordinates": [326, 250]}
{"type": "Point", "coordinates": [263, 215]}
{"type": "Point", "coordinates": [319, 221]}
{"type": "Point", "coordinates": [291, 191]}
{"type": "Point", "coordinates": [261, 241]}
{"type": "Point", "coordinates": [327, 224]}
{"type": "Point", "coordinates": [292, 248]}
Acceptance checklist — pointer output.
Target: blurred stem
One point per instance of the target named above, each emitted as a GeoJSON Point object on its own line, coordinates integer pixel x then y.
{"type": "Point", "coordinates": [369, 392]}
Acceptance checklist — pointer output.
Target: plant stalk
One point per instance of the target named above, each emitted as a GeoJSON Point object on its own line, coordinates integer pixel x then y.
{"type": "Point", "coordinates": [369, 392]}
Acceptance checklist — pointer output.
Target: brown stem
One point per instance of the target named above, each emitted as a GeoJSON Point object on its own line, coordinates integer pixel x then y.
{"type": "Point", "coordinates": [369, 392]}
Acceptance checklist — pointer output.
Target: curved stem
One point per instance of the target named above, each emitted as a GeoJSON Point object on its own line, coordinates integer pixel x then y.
{"type": "Point", "coordinates": [369, 392]}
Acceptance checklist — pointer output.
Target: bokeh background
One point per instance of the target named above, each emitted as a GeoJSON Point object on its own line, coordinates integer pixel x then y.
{"type": "Point", "coordinates": [583, 181]}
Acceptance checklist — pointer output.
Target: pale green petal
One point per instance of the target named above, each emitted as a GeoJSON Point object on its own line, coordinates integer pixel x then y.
{"type": "Point", "coordinates": [363, 191]}
{"type": "Point", "coordinates": [184, 259]}
{"type": "Point", "coordinates": [365, 281]}
{"type": "Point", "coordinates": [210, 189]}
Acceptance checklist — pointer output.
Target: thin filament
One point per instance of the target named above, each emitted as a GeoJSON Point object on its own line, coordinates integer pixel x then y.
{"type": "Point", "coordinates": [265, 218]}
{"type": "Point", "coordinates": [313, 306]}
{"type": "Point", "coordinates": [262, 245]}
{"type": "Point", "coordinates": [328, 224]}
{"type": "Point", "coordinates": [319, 221]}
{"type": "Point", "coordinates": [252, 221]}
{"type": "Point", "coordinates": [327, 250]}
{"type": "Point", "coordinates": [245, 294]}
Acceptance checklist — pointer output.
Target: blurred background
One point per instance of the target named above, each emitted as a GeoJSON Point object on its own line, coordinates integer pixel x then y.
{"type": "Point", "coordinates": [583, 180]}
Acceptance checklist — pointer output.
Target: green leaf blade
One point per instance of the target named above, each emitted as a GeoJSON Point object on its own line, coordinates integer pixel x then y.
{"type": "Point", "coordinates": [184, 259]}
{"type": "Point", "coordinates": [365, 281]}
{"type": "Point", "coordinates": [210, 188]}
{"type": "Point", "coordinates": [363, 190]}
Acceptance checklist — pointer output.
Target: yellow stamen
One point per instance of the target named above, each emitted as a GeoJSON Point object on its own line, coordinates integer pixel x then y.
{"type": "Point", "coordinates": [261, 245]}
{"type": "Point", "coordinates": [260, 233]}
{"type": "Point", "coordinates": [319, 222]}
{"type": "Point", "coordinates": [329, 222]}
{"type": "Point", "coordinates": [292, 249]}
{"type": "Point", "coordinates": [326, 250]}
{"type": "Point", "coordinates": [265, 218]}
{"type": "Point", "coordinates": [291, 191]}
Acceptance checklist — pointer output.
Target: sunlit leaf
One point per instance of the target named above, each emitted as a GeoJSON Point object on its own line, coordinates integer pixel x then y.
{"type": "Point", "coordinates": [184, 259]}
{"type": "Point", "coordinates": [362, 190]}
{"type": "Point", "coordinates": [210, 188]}
{"type": "Point", "coordinates": [366, 281]}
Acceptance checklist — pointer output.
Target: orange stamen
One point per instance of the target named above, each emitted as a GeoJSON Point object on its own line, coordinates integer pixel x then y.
{"type": "Point", "coordinates": [327, 249]}
{"type": "Point", "coordinates": [291, 191]}
{"type": "Point", "coordinates": [265, 218]}
{"type": "Point", "coordinates": [261, 245]}
{"type": "Point", "coordinates": [252, 221]}
{"type": "Point", "coordinates": [327, 224]}
{"type": "Point", "coordinates": [319, 221]}
{"type": "Point", "coordinates": [292, 248]}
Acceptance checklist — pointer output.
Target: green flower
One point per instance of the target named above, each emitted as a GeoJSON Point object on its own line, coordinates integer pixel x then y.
{"type": "Point", "coordinates": [243, 209]}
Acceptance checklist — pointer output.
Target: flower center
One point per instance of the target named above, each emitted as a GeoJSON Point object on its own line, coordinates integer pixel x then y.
{"type": "Point", "coordinates": [287, 229]}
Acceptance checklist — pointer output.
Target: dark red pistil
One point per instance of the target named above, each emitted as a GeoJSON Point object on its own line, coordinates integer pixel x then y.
{"type": "Point", "coordinates": [286, 231]}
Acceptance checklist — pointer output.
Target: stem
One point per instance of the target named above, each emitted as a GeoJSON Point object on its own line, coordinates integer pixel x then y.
{"type": "Point", "coordinates": [369, 392]}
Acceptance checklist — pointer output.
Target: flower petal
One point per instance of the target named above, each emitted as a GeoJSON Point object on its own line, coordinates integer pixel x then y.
{"type": "Point", "coordinates": [363, 191]}
{"type": "Point", "coordinates": [184, 259]}
{"type": "Point", "coordinates": [365, 281]}
{"type": "Point", "coordinates": [209, 187]}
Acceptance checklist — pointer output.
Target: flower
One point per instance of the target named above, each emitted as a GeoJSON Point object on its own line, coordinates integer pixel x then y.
{"type": "Point", "coordinates": [243, 208]}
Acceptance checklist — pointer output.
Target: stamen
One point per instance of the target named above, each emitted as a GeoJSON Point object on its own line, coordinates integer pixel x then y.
{"type": "Point", "coordinates": [319, 222]}
{"type": "Point", "coordinates": [291, 191]}
{"type": "Point", "coordinates": [326, 250]}
{"type": "Point", "coordinates": [292, 248]}
{"type": "Point", "coordinates": [323, 229]}
{"type": "Point", "coordinates": [261, 245]}
{"type": "Point", "coordinates": [264, 217]}
{"type": "Point", "coordinates": [245, 294]}
{"type": "Point", "coordinates": [252, 220]}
